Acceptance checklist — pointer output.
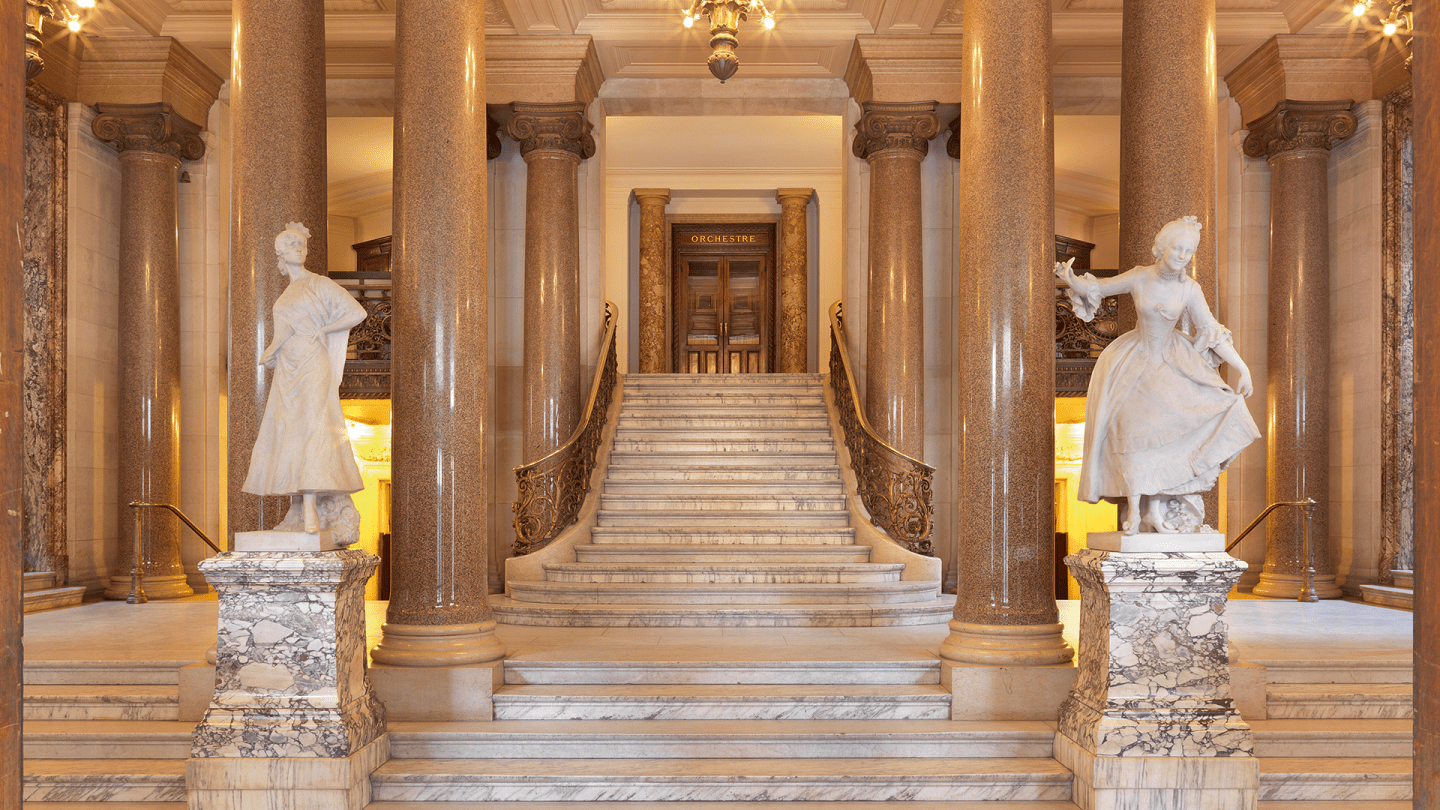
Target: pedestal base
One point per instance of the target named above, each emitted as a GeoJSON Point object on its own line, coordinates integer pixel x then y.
{"type": "Point", "coordinates": [1172, 783]}
{"type": "Point", "coordinates": [1287, 586]}
{"type": "Point", "coordinates": [1025, 645]}
{"type": "Point", "coordinates": [323, 540]}
{"type": "Point", "coordinates": [156, 587]}
{"type": "Point", "coordinates": [446, 645]}
{"type": "Point", "coordinates": [338, 783]}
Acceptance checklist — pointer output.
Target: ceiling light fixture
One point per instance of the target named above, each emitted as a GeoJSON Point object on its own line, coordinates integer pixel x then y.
{"type": "Point", "coordinates": [1397, 18]}
{"type": "Point", "coordinates": [725, 17]}
{"type": "Point", "coordinates": [36, 13]}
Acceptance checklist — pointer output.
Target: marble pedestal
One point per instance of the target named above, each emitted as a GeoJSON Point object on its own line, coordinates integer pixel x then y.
{"type": "Point", "coordinates": [1151, 721]}
{"type": "Point", "coordinates": [291, 691]}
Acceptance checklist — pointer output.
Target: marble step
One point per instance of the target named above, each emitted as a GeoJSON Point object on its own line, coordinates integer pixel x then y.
{"type": "Point", "coordinates": [721, 412]}
{"type": "Point", "coordinates": [1388, 596]}
{"type": "Point", "coordinates": [756, 488]}
{"type": "Point", "coordinates": [1362, 701]}
{"type": "Point", "coordinates": [1404, 578]}
{"type": "Point", "coordinates": [720, 446]}
{"type": "Point", "coordinates": [880, 673]}
{"type": "Point", "coordinates": [774, 535]}
{"type": "Point", "coordinates": [614, 554]}
{"type": "Point", "coordinates": [686, 461]}
{"type": "Point", "coordinates": [39, 581]}
{"type": "Point", "coordinates": [1337, 670]}
{"type": "Point", "coordinates": [101, 702]}
{"type": "Point", "coordinates": [766, 502]}
{"type": "Point", "coordinates": [104, 780]}
{"type": "Point", "coordinates": [1053, 804]}
{"type": "Point", "coordinates": [720, 594]}
{"type": "Point", "coordinates": [47, 805]}
{"type": "Point", "coordinates": [931, 611]}
{"type": "Point", "coordinates": [808, 420]}
{"type": "Point", "coordinates": [108, 739]}
{"type": "Point", "coordinates": [714, 399]}
{"type": "Point", "coordinates": [780, 431]}
{"type": "Point", "coordinates": [722, 702]}
{"type": "Point", "coordinates": [788, 474]}
{"type": "Point", "coordinates": [789, 573]}
{"type": "Point", "coordinates": [1300, 805]}
{"type": "Point", "coordinates": [731, 780]}
{"type": "Point", "coordinates": [742, 521]}
{"type": "Point", "coordinates": [1333, 738]}
{"type": "Point", "coordinates": [53, 598]}
{"type": "Point", "coordinates": [104, 672]}
{"type": "Point", "coordinates": [706, 739]}
{"type": "Point", "coordinates": [1351, 779]}
{"type": "Point", "coordinates": [722, 380]}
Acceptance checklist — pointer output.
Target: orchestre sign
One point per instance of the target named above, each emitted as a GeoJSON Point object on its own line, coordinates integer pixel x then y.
{"type": "Point", "coordinates": [726, 238]}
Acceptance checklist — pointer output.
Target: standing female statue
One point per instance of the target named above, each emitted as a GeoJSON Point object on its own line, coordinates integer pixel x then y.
{"type": "Point", "coordinates": [1160, 423]}
{"type": "Point", "coordinates": [303, 448]}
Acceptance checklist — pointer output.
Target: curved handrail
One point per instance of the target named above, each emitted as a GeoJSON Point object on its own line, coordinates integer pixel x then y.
{"type": "Point", "coordinates": [1307, 584]}
{"type": "Point", "coordinates": [552, 489]}
{"type": "Point", "coordinates": [137, 569]}
{"type": "Point", "coordinates": [895, 488]}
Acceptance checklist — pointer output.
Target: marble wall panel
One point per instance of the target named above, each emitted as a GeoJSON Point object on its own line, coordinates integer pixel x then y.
{"type": "Point", "coordinates": [1397, 330]}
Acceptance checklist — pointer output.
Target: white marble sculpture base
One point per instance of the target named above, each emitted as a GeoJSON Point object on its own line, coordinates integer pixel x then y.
{"type": "Point", "coordinates": [1172, 783]}
{"type": "Point", "coordinates": [1151, 542]}
{"type": "Point", "coordinates": [323, 540]}
{"type": "Point", "coordinates": [1154, 657]}
{"type": "Point", "coordinates": [341, 783]}
{"type": "Point", "coordinates": [290, 678]}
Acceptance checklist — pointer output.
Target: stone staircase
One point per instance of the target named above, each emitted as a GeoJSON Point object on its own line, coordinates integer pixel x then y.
{"type": "Point", "coordinates": [41, 593]}
{"type": "Point", "coordinates": [1400, 595]}
{"type": "Point", "coordinates": [723, 505]}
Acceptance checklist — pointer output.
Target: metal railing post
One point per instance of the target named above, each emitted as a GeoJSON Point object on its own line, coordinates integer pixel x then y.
{"type": "Point", "coordinates": [137, 572]}
{"type": "Point", "coordinates": [1307, 586]}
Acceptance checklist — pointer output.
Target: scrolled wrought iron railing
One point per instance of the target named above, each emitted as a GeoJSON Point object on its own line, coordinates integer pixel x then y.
{"type": "Point", "coordinates": [895, 488]}
{"type": "Point", "coordinates": [552, 490]}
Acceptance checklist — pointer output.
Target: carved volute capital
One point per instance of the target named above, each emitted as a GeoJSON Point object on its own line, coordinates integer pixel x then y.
{"type": "Point", "coordinates": [1296, 125]}
{"type": "Point", "coordinates": [153, 128]}
{"type": "Point", "coordinates": [884, 127]}
{"type": "Point", "coordinates": [952, 146]}
{"type": "Point", "coordinates": [793, 196]}
{"type": "Point", "coordinates": [492, 137]}
{"type": "Point", "coordinates": [551, 126]}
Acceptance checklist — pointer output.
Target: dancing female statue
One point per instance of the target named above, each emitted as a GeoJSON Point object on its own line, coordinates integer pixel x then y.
{"type": "Point", "coordinates": [1160, 422]}
{"type": "Point", "coordinates": [303, 448]}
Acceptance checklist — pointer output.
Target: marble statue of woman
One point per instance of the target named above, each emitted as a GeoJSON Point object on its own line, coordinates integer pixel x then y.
{"type": "Point", "coordinates": [303, 449]}
{"type": "Point", "coordinates": [1160, 422]}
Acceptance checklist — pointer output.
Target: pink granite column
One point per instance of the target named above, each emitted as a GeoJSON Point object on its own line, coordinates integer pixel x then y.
{"type": "Point", "coordinates": [277, 120]}
{"type": "Point", "coordinates": [894, 139]}
{"type": "Point", "coordinates": [792, 338]}
{"type": "Point", "coordinates": [438, 612]}
{"type": "Point", "coordinates": [653, 280]}
{"type": "Point", "coordinates": [553, 138]}
{"type": "Point", "coordinates": [152, 140]}
{"type": "Point", "coordinates": [1005, 613]}
{"type": "Point", "coordinates": [1296, 137]}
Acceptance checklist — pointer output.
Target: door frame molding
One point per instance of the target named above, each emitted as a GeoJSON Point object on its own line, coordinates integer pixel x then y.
{"type": "Point", "coordinates": [671, 220]}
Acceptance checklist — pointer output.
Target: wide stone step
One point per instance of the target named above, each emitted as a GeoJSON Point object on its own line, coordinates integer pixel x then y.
{"type": "Point", "coordinates": [695, 399]}
{"type": "Point", "coordinates": [722, 412]}
{"type": "Point", "coordinates": [520, 671]}
{"type": "Point", "coordinates": [745, 573]}
{"type": "Point", "coordinates": [682, 460]}
{"type": "Point", "coordinates": [722, 380]}
{"type": "Point", "coordinates": [104, 672]}
{"type": "Point", "coordinates": [701, 473]}
{"type": "Point", "coordinates": [743, 521]}
{"type": "Point", "coordinates": [731, 780]}
{"type": "Point", "coordinates": [108, 739]}
{"type": "Point", "coordinates": [928, 612]}
{"type": "Point", "coordinates": [712, 739]}
{"type": "Point", "coordinates": [1337, 670]}
{"type": "Point", "coordinates": [705, 593]}
{"type": "Point", "coordinates": [713, 432]}
{"type": "Point", "coordinates": [778, 502]}
{"type": "Point", "coordinates": [1333, 738]}
{"type": "Point", "coordinates": [722, 446]}
{"type": "Point", "coordinates": [1057, 804]}
{"type": "Point", "coordinates": [104, 780]}
{"type": "Point", "coordinates": [612, 554]}
{"type": "Point", "coordinates": [53, 598]}
{"type": "Point", "coordinates": [1370, 701]}
{"type": "Point", "coordinates": [38, 580]}
{"type": "Point", "coordinates": [727, 535]}
{"type": "Point", "coordinates": [1352, 779]}
{"type": "Point", "coordinates": [1403, 578]}
{"type": "Point", "coordinates": [809, 420]}
{"type": "Point", "coordinates": [761, 488]}
{"type": "Point", "coordinates": [101, 702]}
{"type": "Point", "coordinates": [1388, 596]}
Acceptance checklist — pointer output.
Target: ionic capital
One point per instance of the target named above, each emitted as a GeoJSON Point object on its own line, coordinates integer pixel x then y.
{"type": "Point", "coordinates": [551, 127]}
{"type": "Point", "coordinates": [793, 196]}
{"type": "Point", "coordinates": [1296, 125]}
{"type": "Point", "coordinates": [652, 196]}
{"type": "Point", "coordinates": [907, 126]}
{"type": "Point", "coordinates": [155, 128]}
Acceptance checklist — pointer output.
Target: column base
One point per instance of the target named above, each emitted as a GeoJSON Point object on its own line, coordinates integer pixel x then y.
{"type": "Point", "coordinates": [1025, 645]}
{"type": "Point", "coordinates": [1174, 783]}
{"type": "Point", "coordinates": [339, 783]}
{"type": "Point", "coordinates": [170, 586]}
{"type": "Point", "coordinates": [1287, 586]}
{"type": "Point", "coordinates": [445, 645]}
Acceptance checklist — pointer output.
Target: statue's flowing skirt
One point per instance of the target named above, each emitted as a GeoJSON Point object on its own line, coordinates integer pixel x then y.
{"type": "Point", "coordinates": [1158, 420]}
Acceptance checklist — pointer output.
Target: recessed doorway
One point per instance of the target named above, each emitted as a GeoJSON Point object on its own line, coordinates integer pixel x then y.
{"type": "Point", "coordinates": [724, 286]}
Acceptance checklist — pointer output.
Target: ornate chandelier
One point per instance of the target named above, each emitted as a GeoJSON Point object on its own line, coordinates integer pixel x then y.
{"type": "Point", "coordinates": [1397, 18]}
{"type": "Point", "coordinates": [36, 13]}
{"type": "Point", "coordinates": [725, 17]}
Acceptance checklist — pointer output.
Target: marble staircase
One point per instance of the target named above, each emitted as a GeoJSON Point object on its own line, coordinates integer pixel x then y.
{"type": "Point", "coordinates": [1401, 594]}
{"type": "Point", "coordinates": [723, 505]}
{"type": "Point", "coordinates": [42, 594]}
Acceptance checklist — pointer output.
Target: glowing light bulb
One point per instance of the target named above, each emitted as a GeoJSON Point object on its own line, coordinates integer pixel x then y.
{"type": "Point", "coordinates": [1390, 28]}
{"type": "Point", "coordinates": [85, 3]}
{"type": "Point", "coordinates": [769, 22]}
{"type": "Point", "coordinates": [689, 21]}
{"type": "Point", "coordinates": [74, 24]}
{"type": "Point", "coordinates": [1359, 10]}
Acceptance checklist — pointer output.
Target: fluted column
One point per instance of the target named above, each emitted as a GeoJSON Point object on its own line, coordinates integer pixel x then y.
{"type": "Point", "coordinates": [152, 140]}
{"type": "Point", "coordinates": [792, 338]}
{"type": "Point", "coordinates": [894, 139]}
{"type": "Point", "coordinates": [1295, 138]}
{"type": "Point", "coordinates": [277, 120]}
{"type": "Point", "coordinates": [553, 138]}
{"type": "Point", "coordinates": [438, 613]}
{"type": "Point", "coordinates": [652, 279]}
{"type": "Point", "coordinates": [1006, 612]}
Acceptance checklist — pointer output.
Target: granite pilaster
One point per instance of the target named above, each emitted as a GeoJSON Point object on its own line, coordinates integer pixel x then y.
{"type": "Point", "coordinates": [653, 279]}
{"type": "Point", "coordinates": [792, 336]}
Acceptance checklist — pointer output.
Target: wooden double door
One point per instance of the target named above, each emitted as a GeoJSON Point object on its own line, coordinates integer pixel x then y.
{"type": "Point", "coordinates": [724, 296]}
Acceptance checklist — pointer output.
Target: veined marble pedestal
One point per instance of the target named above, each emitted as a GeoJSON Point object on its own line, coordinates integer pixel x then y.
{"type": "Point", "coordinates": [293, 708]}
{"type": "Point", "coordinates": [1151, 721]}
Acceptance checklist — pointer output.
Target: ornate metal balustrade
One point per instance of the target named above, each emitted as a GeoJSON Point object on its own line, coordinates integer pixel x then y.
{"type": "Point", "coordinates": [552, 490]}
{"type": "Point", "coordinates": [1077, 343]}
{"type": "Point", "coordinates": [367, 358]}
{"type": "Point", "coordinates": [895, 488]}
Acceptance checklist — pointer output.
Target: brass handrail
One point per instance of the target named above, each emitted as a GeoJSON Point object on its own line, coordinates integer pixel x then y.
{"type": "Point", "coordinates": [1307, 584]}
{"type": "Point", "coordinates": [895, 488]}
{"type": "Point", "coordinates": [552, 490]}
{"type": "Point", "coordinates": [137, 572]}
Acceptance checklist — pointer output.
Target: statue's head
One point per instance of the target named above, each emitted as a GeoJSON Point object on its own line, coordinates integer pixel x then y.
{"type": "Point", "coordinates": [292, 245]}
{"type": "Point", "coordinates": [1172, 230]}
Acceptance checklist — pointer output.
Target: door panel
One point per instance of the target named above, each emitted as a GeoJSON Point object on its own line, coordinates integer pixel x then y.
{"type": "Point", "coordinates": [724, 323]}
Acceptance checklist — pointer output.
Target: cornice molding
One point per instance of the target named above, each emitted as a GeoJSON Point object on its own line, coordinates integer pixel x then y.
{"type": "Point", "coordinates": [1300, 67]}
{"type": "Point", "coordinates": [546, 69]}
{"type": "Point", "coordinates": [147, 70]}
{"type": "Point", "coordinates": [889, 127]}
{"type": "Point", "coordinates": [361, 195]}
{"type": "Point", "coordinates": [897, 67]}
{"type": "Point", "coordinates": [154, 128]}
